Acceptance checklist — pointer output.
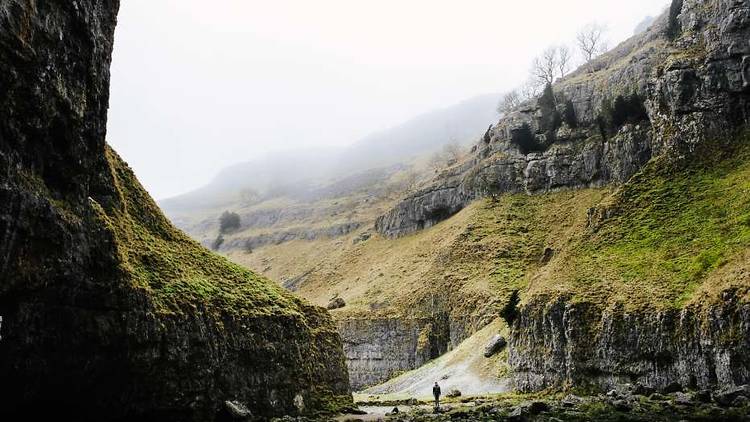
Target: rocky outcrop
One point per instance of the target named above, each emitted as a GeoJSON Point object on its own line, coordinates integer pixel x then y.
{"type": "Point", "coordinates": [576, 151]}
{"type": "Point", "coordinates": [241, 242]}
{"type": "Point", "coordinates": [379, 348]}
{"type": "Point", "coordinates": [666, 94]}
{"type": "Point", "coordinates": [592, 161]}
{"type": "Point", "coordinates": [697, 94]}
{"type": "Point", "coordinates": [557, 344]}
{"type": "Point", "coordinates": [108, 312]}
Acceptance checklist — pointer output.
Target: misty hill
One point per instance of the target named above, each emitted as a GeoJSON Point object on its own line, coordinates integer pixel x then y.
{"type": "Point", "coordinates": [459, 123]}
{"type": "Point", "coordinates": [293, 173]}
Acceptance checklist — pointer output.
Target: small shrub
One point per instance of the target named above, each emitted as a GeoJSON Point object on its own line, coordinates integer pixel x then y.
{"type": "Point", "coordinates": [525, 140]}
{"type": "Point", "coordinates": [229, 222]}
{"type": "Point", "coordinates": [569, 115]}
{"type": "Point", "coordinates": [218, 242]}
{"type": "Point", "coordinates": [510, 311]}
{"type": "Point", "coordinates": [551, 119]}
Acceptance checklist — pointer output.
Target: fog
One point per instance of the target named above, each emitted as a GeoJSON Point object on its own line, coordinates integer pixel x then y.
{"type": "Point", "coordinates": [198, 85]}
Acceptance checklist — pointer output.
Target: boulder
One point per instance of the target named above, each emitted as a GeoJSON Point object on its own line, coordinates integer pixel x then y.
{"type": "Point", "coordinates": [621, 405]}
{"type": "Point", "coordinates": [453, 393]}
{"type": "Point", "coordinates": [571, 400]}
{"type": "Point", "coordinates": [537, 407]}
{"type": "Point", "coordinates": [336, 303]}
{"type": "Point", "coordinates": [726, 397]}
{"type": "Point", "coordinates": [236, 410]}
{"type": "Point", "coordinates": [672, 387]}
{"type": "Point", "coordinates": [643, 390]}
{"type": "Point", "coordinates": [703, 396]}
{"type": "Point", "coordinates": [495, 346]}
{"type": "Point", "coordinates": [684, 399]}
{"type": "Point", "coordinates": [518, 414]}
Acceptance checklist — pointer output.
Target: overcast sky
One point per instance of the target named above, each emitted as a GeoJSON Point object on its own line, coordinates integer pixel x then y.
{"type": "Point", "coordinates": [199, 85]}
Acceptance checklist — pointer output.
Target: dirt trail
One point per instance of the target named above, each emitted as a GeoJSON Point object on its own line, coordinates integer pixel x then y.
{"type": "Point", "coordinates": [465, 368]}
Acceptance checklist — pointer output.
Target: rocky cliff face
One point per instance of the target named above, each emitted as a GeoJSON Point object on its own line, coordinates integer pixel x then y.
{"type": "Point", "coordinates": [379, 348]}
{"type": "Point", "coordinates": [663, 97]}
{"type": "Point", "coordinates": [564, 140]}
{"type": "Point", "coordinates": [557, 343]}
{"type": "Point", "coordinates": [108, 312]}
{"type": "Point", "coordinates": [698, 94]}
{"type": "Point", "coordinates": [690, 71]}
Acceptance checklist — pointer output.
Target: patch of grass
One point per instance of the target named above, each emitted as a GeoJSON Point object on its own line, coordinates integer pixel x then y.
{"type": "Point", "coordinates": [670, 227]}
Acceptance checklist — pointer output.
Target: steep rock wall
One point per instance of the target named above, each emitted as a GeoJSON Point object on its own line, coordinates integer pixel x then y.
{"type": "Point", "coordinates": [576, 154]}
{"type": "Point", "coordinates": [691, 71]}
{"type": "Point", "coordinates": [108, 312]}
{"type": "Point", "coordinates": [378, 349]}
{"type": "Point", "coordinates": [696, 96]}
{"type": "Point", "coordinates": [558, 344]}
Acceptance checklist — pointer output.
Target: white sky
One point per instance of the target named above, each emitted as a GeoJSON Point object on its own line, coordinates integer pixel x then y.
{"type": "Point", "coordinates": [199, 85]}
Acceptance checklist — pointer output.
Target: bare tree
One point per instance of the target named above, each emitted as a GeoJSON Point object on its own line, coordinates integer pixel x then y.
{"type": "Point", "coordinates": [563, 60]}
{"type": "Point", "coordinates": [553, 63]}
{"type": "Point", "coordinates": [453, 151]}
{"type": "Point", "coordinates": [510, 101]}
{"type": "Point", "coordinates": [530, 90]}
{"type": "Point", "coordinates": [544, 67]}
{"type": "Point", "coordinates": [590, 41]}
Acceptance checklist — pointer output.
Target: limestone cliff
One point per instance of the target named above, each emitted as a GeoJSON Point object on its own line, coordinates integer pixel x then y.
{"type": "Point", "coordinates": [655, 289]}
{"type": "Point", "coordinates": [698, 102]}
{"type": "Point", "coordinates": [109, 312]}
{"type": "Point", "coordinates": [602, 123]}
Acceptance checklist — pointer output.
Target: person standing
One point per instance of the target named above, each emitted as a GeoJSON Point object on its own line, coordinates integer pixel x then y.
{"type": "Point", "coordinates": [436, 393]}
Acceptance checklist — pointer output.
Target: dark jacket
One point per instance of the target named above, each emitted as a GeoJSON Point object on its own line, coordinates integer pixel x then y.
{"type": "Point", "coordinates": [436, 391]}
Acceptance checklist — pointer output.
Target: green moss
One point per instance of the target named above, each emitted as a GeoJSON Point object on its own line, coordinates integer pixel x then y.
{"type": "Point", "coordinates": [177, 272]}
{"type": "Point", "coordinates": [673, 225]}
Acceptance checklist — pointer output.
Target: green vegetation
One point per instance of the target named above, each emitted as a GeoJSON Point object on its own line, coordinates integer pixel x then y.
{"type": "Point", "coordinates": [668, 229]}
{"type": "Point", "coordinates": [229, 222]}
{"type": "Point", "coordinates": [629, 108]}
{"type": "Point", "coordinates": [175, 270]}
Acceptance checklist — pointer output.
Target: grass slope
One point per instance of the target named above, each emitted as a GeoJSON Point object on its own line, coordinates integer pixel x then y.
{"type": "Point", "coordinates": [677, 231]}
{"type": "Point", "coordinates": [175, 270]}
{"type": "Point", "coordinates": [470, 263]}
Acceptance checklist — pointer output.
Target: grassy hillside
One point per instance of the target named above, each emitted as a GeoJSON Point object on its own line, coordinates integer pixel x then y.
{"type": "Point", "coordinates": [470, 263]}
{"type": "Point", "coordinates": [667, 232]}
{"type": "Point", "coordinates": [173, 268]}
{"type": "Point", "coordinates": [676, 232]}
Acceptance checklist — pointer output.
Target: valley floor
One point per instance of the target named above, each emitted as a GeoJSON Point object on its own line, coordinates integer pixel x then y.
{"type": "Point", "coordinates": [626, 404]}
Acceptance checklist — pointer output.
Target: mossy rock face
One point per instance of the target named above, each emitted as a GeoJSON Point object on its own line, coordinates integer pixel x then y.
{"type": "Point", "coordinates": [109, 312]}
{"type": "Point", "coordinates": [657, 291]}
